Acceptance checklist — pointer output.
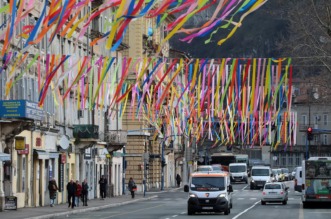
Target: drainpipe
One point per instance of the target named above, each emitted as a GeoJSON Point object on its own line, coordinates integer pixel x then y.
{"type": "Point", "coordinates": [2, 194]}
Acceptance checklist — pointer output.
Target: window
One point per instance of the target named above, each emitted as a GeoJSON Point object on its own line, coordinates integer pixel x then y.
{"type": "Point", "coordinates": [290, 160]}
{"type": "Point", "coordinates": [325, 119]}
{"type": "Point", "coordinates": [298, 160]}
{"type": "Point", "coordinates": [304, 120]}
{"type": "Point", "coordinates": [325, 139]}
{"type": "Point", "coordinates": [21, 174]}
{"type": "Point", "coordinates": [283, 160]}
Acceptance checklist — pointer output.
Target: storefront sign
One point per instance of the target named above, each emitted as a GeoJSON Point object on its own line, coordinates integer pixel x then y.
{"type": "Point", "coordinates": [21, 109]}
{"type": "Point", "coordinates": [25, 151]}
{"type": "Point", "coordinates": [19, 143]}
{"type": "Point", "coordinates": [11, 203]}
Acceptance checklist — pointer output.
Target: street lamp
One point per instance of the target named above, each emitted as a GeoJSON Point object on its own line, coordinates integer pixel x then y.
{"type": "Point", "coordinates": [310, 135]}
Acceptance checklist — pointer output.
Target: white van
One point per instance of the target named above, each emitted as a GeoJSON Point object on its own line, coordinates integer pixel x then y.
{"type": "Point", "coordinates": [298, 179]}
{"type": "Point", "coordinates": [209, 192]}
{"type": "Point", "coordinates": [238, 172]}
{"type": "Point", "coordinates": [260, 175]}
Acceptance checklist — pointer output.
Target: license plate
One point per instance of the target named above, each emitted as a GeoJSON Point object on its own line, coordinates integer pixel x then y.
{"type": "Point", "coordinates": [259, 184]}
{"type": "Point", "coordinates": [207, 208]}
{"type": "Point", "coordinates": [273, 193]}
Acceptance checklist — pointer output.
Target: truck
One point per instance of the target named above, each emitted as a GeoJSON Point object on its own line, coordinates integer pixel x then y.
{"type": "Point", "coordinates": [209, 192]}
{"type": "Point", "coordinates": [316, 181]}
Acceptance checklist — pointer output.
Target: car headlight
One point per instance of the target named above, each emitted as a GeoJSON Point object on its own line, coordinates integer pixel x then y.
{"type": "Point", "coordinates": [252, 181]}
{"type": "Point", "coordinates": [193, 195]}
{"type": "Point", "coordinates": [222, 195]}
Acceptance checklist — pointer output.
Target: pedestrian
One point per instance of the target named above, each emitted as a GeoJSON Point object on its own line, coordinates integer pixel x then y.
{"type": "Point", "coordinates": [132, 186]}
{"type": "Point", "coordinates": [78, 193]}
{"type": "Point", "coordinates": [71, 189]}
{"type": "Point", "coordinates": [178, 179]}
{"type": "Point", "coordinates": [85, 188]}
{"type": "Point", "coordinates": [103, 187]}
{"type": "Point", "coordinates": [52, 187]}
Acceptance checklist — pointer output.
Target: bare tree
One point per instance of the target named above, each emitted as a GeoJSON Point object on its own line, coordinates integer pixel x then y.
{"type": "Point", "coordinates": [308, 40]}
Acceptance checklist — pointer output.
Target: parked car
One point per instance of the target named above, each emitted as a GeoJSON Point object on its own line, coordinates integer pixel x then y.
{"type": "Point", "coordinates": [274, 192]}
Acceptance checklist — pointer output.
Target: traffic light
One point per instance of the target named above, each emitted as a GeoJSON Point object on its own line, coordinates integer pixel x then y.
{"type": "Point", "coordinates": [310, 135]}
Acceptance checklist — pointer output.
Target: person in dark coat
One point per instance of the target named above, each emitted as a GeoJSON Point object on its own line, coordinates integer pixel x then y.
{"type": "Point", "coordinates": [71, 188]}
{"type": "Point", "coordinates": [103, 187]}
{"type": "Point", "coordinates": [132, 186]}
{"type": "Point", "coordinates": [178, 179]}
{"type": "Point", "coordinates": [52, 187]}
{"type": "Point", "coordinates": [85, 188]}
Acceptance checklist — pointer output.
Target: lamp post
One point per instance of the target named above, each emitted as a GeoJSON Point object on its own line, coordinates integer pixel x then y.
{"type": "Point", "coordinates": [309, 131]}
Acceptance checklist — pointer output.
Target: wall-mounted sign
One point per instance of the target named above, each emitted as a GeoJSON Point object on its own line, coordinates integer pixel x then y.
{"type": "Point", "coordinates": [19, 143]}
{"type": "Point", "coordinates": [21, 109]}
{"type": "Point", "coordinates": [63, 158]}
{"type": "Point", "coordinates": [61, 176]}
{"type": "Point", "coordinates": [25, 151]}
{"type": "Point", "coordinates": [38, 142]}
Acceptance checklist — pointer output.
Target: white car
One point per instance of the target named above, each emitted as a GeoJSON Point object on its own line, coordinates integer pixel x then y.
{"type": "Point", "coordinates": [274, 192]}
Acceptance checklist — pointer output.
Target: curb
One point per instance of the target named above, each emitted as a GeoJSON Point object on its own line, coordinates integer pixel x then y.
{"type": "Point", "coordinates": [67, 213]}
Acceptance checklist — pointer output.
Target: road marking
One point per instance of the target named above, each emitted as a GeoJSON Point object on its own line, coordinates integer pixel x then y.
{"type": "Point", "coordinates": [241, 213]}
{"type": "Point", "coordinates": [184, 212]}
{"type": "Point", "coordinates": [174, 215]}
{"type": "Point", "coordinates": [252, 198]}
{"type": "Point", "coordinates": [244, 187]}
{"type": "Point", "coordinates": [134, 211]}
{"type": "Point", "coordinates": [241, 198]}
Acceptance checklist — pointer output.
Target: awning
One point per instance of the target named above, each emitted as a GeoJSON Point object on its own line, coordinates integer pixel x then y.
{"type": "Point", "coordinates": [4, 157]}
{"type": "Point", "coordinates": [42, 155]}
{"type": "Point", "coordinates": [54, 155]}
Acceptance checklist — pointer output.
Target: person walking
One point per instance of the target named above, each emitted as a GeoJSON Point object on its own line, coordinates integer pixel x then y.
{"type": "Point", "coordinates": [178, 179]}
{"type": "Point", "coordinates": [78, 193]}
{"type": "Point", "coordinates": [52, 187]}
{"type": "Point", "coordinates": [71, 189]}
{"type": "Point", "coordinates": [132, 186]}
{"type": "Point", "coordinates": [103, 187]}
{"type": "Point", "coordinates": [85, 188]}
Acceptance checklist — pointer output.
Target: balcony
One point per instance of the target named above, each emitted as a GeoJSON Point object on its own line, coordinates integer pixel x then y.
{"type": "Point", "coordinates": [116, 139]}
{"type": "Point", "coordinates": [86, 132]}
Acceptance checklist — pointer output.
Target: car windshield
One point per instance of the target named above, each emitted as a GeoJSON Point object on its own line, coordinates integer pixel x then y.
{"type": "Point", "coordinates": [237, 169]}
{"type": "Point", "coordinates": [207, 183]}
{"type": "Point", "coordinates": [272, 186]}
{"type": "Point", "coordinates": [285, 170]}
{"type": "Point", "coordinates": [260, 172]}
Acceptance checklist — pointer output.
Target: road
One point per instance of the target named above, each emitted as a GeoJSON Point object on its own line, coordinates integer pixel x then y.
{"type": "Point", "coordinates": [246, 205]}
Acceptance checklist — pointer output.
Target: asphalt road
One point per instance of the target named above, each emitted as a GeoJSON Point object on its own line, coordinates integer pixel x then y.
{"type": "Point", "coordinates": [246, 205]}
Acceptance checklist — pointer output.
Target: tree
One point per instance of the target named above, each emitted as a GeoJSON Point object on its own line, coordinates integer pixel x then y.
{"type": "Point", "coordinates": [308, 40]}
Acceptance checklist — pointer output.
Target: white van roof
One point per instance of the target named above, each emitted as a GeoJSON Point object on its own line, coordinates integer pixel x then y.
{"type": "Point", "coordinates": [319, 158]}
{"type": "Point", "coordinates": [237, 164]}
{"type": "Point", "coordinates": [261, 167]}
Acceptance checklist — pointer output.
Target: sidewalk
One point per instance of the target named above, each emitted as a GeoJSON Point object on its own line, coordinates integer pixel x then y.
{"type": "Point", "coordinates": [93, 205]}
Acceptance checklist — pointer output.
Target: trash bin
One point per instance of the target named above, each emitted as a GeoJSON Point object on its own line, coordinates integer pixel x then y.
{"type": "Point", "coordinates": [110, 191]}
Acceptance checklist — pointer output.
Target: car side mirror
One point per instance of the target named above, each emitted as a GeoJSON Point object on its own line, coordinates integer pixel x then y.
{"type": "Point", "coordinates": [286, 188]}
{"type": "Point", "coordinates": [230, 189]}
{"type": "Point", "coordinates": [186, 188]}
{"type": "Point", "coordinates": [272, 175]}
